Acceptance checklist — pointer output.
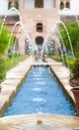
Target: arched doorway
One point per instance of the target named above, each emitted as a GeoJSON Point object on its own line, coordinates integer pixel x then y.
{"type": "Point", "coordinates": [39, 42]}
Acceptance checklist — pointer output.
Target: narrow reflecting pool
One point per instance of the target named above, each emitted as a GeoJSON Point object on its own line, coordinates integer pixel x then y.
{"type": "Point", "coordinates": [40, 93]}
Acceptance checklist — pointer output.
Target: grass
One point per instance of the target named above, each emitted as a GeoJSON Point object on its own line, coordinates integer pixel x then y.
{"type": "Point", "coordinates": [57, 58]}
{"type": "Point", "coordinates": [11, 62]}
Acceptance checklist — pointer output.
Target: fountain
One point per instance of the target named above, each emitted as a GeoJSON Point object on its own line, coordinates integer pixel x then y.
{"type": "Point", "coordinates": [77, 20]}
{"type": "Point", "coordinates": [21, 28]}
{"type": "Point", "coordinates": [64, 47]}
{"type": "Point", "coordinates": [25, 34]}
{"type": "Point", "coordinates": [14, 9]}
{"type": "Point", "coordinates": [54, 29]}
{"type": "Point", "coordinates": [17, 23]}
{"type": "Point", "coordinates": [55, 38]}
{"type": "Point", "coordinates": [61, 52]}
{"type": "Point", "coordinates": [68, 36]}
{"type": "Point", "coordinates": [12, 56]}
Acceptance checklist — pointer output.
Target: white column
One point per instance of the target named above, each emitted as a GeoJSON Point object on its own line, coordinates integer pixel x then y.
{"type": "Point", "coordinates": [48, 4]}
{"type": "Point", "coordinates": [3, 7]}
{"type": "Point", "coordinates": [29, 4]}
{"type": "Point", "coordinates": [75, 7]}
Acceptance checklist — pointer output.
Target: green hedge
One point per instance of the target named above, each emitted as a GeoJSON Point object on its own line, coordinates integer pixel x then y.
{"type": "Point", "coordinates": [14, 61]}
{"type": "Point", "coordinates": [75, 69]}
{"type": "Point", "coordinates": [57, 58]}
{"type": "Point", "coordinates": [2, 69]}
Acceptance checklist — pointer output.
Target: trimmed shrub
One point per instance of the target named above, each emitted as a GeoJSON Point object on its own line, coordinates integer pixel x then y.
{"type": "Point", "coordinates": [10, 55]}
{"type": "Point", "coordinates": [75, 69]}
{"type": "Point", "coordinates": [2, 69]}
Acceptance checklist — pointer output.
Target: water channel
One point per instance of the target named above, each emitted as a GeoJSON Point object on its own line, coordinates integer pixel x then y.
{"type": "Point", "coordinates": [40, 93]}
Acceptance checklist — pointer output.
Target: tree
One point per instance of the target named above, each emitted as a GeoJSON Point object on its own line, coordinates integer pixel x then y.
{"type": "Point", "coordinates": [73, 30]}
{"type": "Point", "coordinates": [4, 39]}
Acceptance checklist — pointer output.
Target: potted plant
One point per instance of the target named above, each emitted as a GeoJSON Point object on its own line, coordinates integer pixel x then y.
{"type": "Point", "coordinates": [75, 91]}
{"type": "Point", "coordinates": [74, 82]}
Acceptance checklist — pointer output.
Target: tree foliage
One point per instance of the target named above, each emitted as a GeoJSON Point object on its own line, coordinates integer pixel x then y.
{"type": "Point", "coordinates": [4, 39]}
{"type": "Point", "coordinates": [2, 69]}
{"type": "Point", "coordinates": [75, 69]}
{"type": "Point", "coordinates": [73, 30]}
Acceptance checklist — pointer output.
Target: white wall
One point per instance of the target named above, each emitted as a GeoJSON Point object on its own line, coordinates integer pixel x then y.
{"type": "Point", "coordinates": [29, 4]}
{"type": "Point", "coordinates": [48, 4]}
{"type": "Point", "coordinates": [75, 7]}
{"type": "Point", "coordinates": [3, 7]}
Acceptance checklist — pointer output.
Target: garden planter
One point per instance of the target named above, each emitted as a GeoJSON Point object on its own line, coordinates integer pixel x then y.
{"type": "Point", "coordinates": [75, 91]}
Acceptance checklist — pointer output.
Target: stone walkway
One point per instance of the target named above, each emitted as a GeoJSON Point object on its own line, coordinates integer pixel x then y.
{"type": "Point", "coordinates": [34, 122]}
{"type": "Point", "coordinates": [62, 73]}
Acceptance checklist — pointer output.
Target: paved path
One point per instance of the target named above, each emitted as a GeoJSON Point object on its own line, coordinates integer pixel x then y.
{"type": "Point", "coordinates": [63, 74]}
{"type": "Point", "coordinates": [34, 122]}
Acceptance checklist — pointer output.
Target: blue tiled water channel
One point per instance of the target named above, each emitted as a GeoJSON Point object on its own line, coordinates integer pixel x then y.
{"type": "Point", "coordinates": [40, 93]}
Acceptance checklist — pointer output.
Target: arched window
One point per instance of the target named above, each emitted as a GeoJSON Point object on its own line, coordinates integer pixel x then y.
{"type": "Point", "coordinates": [39, 27]}
{"type": "Point", "coordinates": [16, 4]}
{"type": "Point", "coordinates": [39, 4]}
{"type": "Point", "coordinates": [9, 5]}
{"type": "Point", "coordinates": [67, 5]}
{"type": "Point", "coordinates": [61, 5]}
{"type": "Point", "coordinates": [13, 4]}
